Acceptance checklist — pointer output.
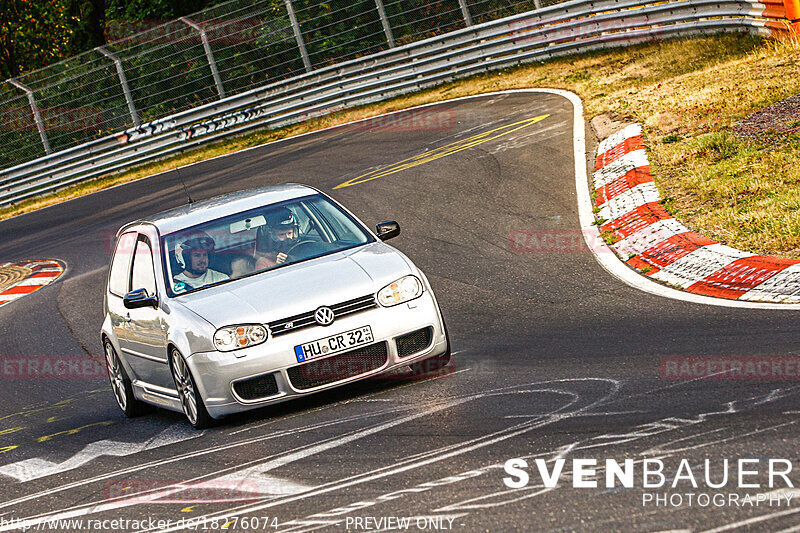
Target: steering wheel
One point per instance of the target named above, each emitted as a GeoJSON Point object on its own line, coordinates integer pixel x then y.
{"type": "Point", "coordinates": [297, 246]}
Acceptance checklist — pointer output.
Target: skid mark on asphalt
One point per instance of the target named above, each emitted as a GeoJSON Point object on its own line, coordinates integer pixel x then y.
{"type": "Point", "coordinates": [352, 400]}
{"type": "Point", "coordinates": [440, 455]}
{"type": "Point", "coordinates": [506, 497]}
{"type": "Point", "coordinates": [199, 453]}
{"type": "Point", "coordinates": [325, 444]}
{"type": "Point", "coordinates": [36, 468]}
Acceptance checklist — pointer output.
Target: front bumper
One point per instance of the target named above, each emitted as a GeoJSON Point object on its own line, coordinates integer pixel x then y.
{"type": "Point", "coordinates": [215, 372]}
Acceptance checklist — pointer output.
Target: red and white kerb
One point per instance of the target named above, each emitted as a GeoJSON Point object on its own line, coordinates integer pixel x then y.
{"type": "Point", "coordinates": [42, 273]}
{"type": "Point", "coordinates": [652, 241]}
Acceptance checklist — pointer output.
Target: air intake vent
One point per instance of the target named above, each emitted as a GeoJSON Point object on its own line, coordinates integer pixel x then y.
{"type": "Point", "coordinates": [257, 387]}
{"type": "Point", "coordinates": [346, 365]}
{"type": "Point", "coordinates": [414, 342]}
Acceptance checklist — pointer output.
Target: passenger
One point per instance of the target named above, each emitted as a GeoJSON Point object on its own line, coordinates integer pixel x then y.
{"type": "Point", "coordinates": [277, 238]}
{"type": "Point", "coordinates": [195, 252]}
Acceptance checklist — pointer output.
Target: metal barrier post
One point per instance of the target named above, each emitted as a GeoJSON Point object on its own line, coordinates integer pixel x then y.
{"type": "Point", "coordinates": [298, 36]}
{"type": "Point", "coordinates": [36, 116]}
{"type": "Point", "coordinates": [209, 54]}
{"type": "Point", "coordinates": [385, 22]}
{"type": "Point", "coordinates": [465, 11]}
{"type": "Point", "coordinates": [123, 80]}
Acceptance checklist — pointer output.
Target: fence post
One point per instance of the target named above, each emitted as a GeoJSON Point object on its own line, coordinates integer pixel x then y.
{"type": "Point", "coordinates": [385, 22]}
{"type": "Point", "coordinates": [465, 12]}
{"type": "Point", "coordinates": [123, 80]}
{"type": "Point", "coordinates": [36, 116]}
{"type": "Point", "coordinates": [209, 54]}
{"type": "Point", "coordinates": [298, 36]}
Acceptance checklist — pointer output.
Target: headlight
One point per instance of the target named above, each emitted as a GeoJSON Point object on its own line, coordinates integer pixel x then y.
{"type": "Point", "coordinates": [235, 337]}
{"type": "Point", "coordinates": [404, 289]}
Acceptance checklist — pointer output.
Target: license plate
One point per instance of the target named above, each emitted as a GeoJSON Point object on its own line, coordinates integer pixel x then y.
{"type": "Point", "coordinates": [333, 344]}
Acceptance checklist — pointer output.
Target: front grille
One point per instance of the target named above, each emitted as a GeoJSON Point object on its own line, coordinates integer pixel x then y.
{"type": "Point", "coordinates": [346, 365]}
{"type": "Point", "coordinates": [293, 323]}
{"type": "Point", "coordinates": [257, 387]}
{"type": "Point", "coordinates": [414, 342]}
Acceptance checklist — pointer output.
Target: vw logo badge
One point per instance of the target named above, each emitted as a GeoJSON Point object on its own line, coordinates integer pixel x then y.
{"type": "Point", "coordinates": [324, 316]}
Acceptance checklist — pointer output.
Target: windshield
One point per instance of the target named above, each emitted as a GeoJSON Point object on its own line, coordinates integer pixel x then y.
{"type": "Point", "coordinates": [257, 240]}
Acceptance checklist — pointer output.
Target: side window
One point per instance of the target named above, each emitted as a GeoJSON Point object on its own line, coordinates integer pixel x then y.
{"type": "Point", "coordinates": [307, 227]}
{"type": "Point", "coordinates": [120, 264]}
{"type": "Point", "coordinates": [144, 275]}
{"type": "Point", "coordinates": [333, 218]}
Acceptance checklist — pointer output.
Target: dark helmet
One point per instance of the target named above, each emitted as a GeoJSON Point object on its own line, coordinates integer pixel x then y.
{"type": "Point", "coordinates": [281, 218]}
{"type": "Point", "coordinates": [196, 241]}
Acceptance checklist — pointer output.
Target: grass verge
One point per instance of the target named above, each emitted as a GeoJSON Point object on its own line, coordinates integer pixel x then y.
{"type": "Point", "coordinates": [687, 93]}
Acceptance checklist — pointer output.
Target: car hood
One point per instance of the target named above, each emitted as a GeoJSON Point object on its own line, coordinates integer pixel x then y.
{"type": "Point", "coordinates": [299, 288]}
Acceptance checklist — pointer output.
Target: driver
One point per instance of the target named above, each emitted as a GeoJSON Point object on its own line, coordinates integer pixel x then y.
{"type": "Point", "coordinates": [276, 238]}
{"type": "Point", "coordinates": [195, 251]}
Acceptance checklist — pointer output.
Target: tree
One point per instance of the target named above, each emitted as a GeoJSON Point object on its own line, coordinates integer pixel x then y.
{"type": "Point", "coordinates": [88, 30]}
{"type": "Point", "coordinates": [33, 33]}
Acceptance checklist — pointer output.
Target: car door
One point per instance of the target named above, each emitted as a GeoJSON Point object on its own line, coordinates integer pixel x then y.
{"type": "Point", "coordinates": [118, 285]}
{"type": "Point", "coordinates": [146, 337]}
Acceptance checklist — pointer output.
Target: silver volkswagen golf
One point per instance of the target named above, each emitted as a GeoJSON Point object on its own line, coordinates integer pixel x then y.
{"type": "Point", "coordinates": [257, 297]}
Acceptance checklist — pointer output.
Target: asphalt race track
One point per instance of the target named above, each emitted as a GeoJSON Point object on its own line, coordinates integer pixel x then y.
{"type": "Point", "coordinates": [555, 358]}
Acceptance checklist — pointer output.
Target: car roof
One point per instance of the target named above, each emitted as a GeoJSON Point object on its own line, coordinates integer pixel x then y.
{"type": "Point", "coordinates": [219, 206]}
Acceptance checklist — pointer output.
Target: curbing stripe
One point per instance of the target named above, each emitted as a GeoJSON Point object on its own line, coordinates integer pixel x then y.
{"type": "Point", "coordinates": [636, 220]}
{"type": "Point", "coordinates": [650, 240]}
{"type": "Point", "coordinates": [619, 167]}
{"type": "Point", "coordinates": [741, 276]}
{"type": "Point", "coordinates": [630, 179]}
{"type": "Point", "coordinates": [698, 265]}
{"type": "Point", "coordinates": [646, 239]}
{"type": "Point", "coordinates": [785, 284]}
{"type": "Point", "coordinates": [616, 138]}
{"type": "Point", "coordinates": [628, 145]}
{"type": "Point", "coordinates": [629, 200]}
{"type": "Point", "coordinates": [42, 273]}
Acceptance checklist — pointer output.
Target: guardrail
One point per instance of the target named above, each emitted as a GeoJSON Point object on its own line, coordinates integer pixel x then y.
{"type": "Point", "coordinates": [574, 26]}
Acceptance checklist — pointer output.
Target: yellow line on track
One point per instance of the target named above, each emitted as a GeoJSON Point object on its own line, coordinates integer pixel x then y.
{"type": "Point", "coordinates": [443, 151]}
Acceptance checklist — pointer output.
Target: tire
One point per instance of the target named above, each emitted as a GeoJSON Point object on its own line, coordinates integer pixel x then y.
{"type": "Point", "coordinates": [191, 401]}
{"type": "Point", "coordinates": [121, 384]}
{"type": "Point", "coordinates": [433, 364]}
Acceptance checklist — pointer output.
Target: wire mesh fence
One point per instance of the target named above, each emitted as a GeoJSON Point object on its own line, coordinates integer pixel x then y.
{"type": "Point", "coordinates": [165, 68]}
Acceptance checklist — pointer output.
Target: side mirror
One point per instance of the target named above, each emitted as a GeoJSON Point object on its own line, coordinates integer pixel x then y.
{"type": "Point", "coordinates": [139, 298]}
{"type": "Point", "coordinates": [388, 230]}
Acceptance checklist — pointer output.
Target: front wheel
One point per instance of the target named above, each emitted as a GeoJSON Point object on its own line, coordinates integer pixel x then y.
{"type": "Point", "coordinates": [121, 384]}
{"type": "Point", "coordinates": [191, 402]}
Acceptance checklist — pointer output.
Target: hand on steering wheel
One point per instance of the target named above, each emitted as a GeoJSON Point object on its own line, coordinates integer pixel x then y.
{"type": "Point", "coordinates": [292, 249]}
